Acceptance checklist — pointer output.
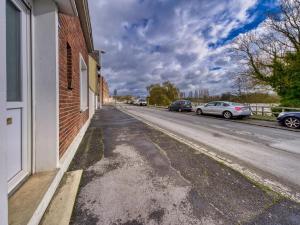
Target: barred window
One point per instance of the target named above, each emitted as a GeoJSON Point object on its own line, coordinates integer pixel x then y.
{"type": "Point", "coordinates": [69, 67]}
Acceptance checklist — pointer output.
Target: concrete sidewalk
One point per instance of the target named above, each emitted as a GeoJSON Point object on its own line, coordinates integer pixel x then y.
{"type": "Point", "coordinates": [146, 177]}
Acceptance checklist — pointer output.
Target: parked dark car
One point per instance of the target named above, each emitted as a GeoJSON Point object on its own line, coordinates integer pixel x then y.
{"type": "Point", "coordinates": [289, 119]}
{"type": "Point", "coordinates": [181, 105]}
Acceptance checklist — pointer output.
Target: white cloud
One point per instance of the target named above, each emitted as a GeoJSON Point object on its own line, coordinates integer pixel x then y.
{"type": "Point", "coordinates": [152, 41]}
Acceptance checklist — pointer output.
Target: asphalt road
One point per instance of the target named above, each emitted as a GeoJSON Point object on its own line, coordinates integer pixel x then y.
{"type": "Point", "coordinates": [272, 153]}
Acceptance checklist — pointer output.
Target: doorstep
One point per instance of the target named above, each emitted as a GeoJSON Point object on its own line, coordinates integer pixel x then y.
{"type": "Point", "coordinates": [27, 201]}
{"type": "Point", "coordinates": [28, 204]}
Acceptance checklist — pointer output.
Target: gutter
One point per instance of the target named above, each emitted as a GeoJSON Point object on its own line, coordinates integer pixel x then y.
{"type": "Point", "coordinates": [84, 17]}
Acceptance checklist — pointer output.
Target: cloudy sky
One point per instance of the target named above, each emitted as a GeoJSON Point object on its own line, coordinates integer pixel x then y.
{"type": "Point", "coordinates": [184, 41]}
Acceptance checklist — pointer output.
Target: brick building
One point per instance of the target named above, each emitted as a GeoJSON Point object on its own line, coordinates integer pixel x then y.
{"type": "Point", "coordinates": [73, 61]}
{"type": "Point", "coordinates": [94, 68]}
{"type": "Point", "coordinates": [48, 94]}
{"type": "Point", "coordinates": [104, 91]}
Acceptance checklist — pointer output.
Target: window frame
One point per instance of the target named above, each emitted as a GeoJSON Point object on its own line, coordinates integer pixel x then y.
{"type": "Point", "coordinates": [69, 66]}
{"type": "Point", "coordinates": [83, 87]}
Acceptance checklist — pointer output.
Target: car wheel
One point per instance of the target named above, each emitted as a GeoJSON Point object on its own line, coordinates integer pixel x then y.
{"type": "Point", "coordinates": [199, 112]}
{"type": "Point", "coordinates": [292, 122]}
{"type": "Point", "coordinates": [227, 115]}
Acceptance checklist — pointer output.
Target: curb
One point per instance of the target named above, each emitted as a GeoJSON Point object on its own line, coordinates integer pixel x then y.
{"type": "Point", "coordinates": [273, 185]}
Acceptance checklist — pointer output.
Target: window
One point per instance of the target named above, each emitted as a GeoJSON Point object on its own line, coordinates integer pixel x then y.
{"type": "Point", "coordinates": [83, 85]}
{"type": "Point", "coordinates": [13, 53]}
{"type": "Point", "coordinates": [69, 67]}
{"type": "Point", "coordinates": [211, 104]}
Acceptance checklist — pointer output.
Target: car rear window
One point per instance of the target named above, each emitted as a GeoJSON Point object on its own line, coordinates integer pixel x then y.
{"type": "Point", "coordinates": [211, 104]}
{"type": "Point", "coordinates": [235, 103]}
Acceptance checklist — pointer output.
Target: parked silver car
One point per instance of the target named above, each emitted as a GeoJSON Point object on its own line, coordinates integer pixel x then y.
{"type": "Point", "coordinates": [141, 102]}
{"type": "Point", "coordinates": [225, 109]}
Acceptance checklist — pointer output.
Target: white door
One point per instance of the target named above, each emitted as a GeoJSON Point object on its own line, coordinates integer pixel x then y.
{"type": "Point", "coordinates": [17, 94]}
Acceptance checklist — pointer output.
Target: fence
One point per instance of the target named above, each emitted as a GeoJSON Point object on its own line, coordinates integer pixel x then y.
{"type": "Point", "coordinates": [270, 110]}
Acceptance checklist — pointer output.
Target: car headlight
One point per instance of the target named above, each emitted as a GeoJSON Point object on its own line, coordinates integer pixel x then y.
{"type": "Point", "coordinates": [281, 114]}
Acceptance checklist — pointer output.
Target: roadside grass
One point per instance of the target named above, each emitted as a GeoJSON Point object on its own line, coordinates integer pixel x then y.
{"type": "Point", "coordinates": [265, 118]}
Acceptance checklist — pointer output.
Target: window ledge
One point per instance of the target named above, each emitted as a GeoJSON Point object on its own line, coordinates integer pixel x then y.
{"type": "Point", "coordinates": [83, 109]}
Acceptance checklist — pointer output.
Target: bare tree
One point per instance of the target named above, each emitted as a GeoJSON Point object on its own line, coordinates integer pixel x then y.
{"type": "Point", "coordinates": [265, 54]}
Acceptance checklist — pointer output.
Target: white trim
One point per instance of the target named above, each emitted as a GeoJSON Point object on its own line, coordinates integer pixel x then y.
{"type": "Point", "coordinates": [16, 181]}
{"type": "Point", "coordinates": [82, 66]}
{"type": "Point", "coordinates": [25, 104]}
{"type": "Point", "coordinates": [3, 149]}
{"type": "Point", "coordinates": [57, 86]}
{"type": "Point", "coordinates": [33, 94]}
{"type": "Point", "coordinates": [71, 150]}
{"type": "Point", "coordinates": [64, 164]}
{"type": "Point", "coordinates": [45, 86]}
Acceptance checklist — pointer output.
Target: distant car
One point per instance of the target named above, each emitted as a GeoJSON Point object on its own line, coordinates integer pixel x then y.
{"type": "Point", "coordinates": [141, 102]}
{"type": "Point", "coordinates": [289, 119]}
{"type": "Point", "coordinates": [223, 108]}
{"type": "Point", "coordinates": [181, 105]}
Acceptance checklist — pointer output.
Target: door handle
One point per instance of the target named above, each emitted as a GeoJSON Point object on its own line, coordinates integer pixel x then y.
{"type": "Point", "coordinates": [9, 121]}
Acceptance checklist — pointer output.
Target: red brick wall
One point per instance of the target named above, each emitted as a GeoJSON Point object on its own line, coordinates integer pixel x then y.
{"type": "Point", "coordinates": [70, 117]}
{"type": "Point", "coordinates": [104, 91]}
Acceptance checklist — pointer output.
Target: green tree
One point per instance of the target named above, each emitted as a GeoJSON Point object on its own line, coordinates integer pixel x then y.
{"type": "Point", "coordinates": [273, 58]}
{"type": "Point", "coordinates": [162, 95]}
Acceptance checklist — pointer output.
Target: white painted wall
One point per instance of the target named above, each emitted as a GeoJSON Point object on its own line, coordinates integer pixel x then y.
{"type": "Point", "coordinates": [96, 102]}
{"type": "Point", "coordinates": [3, 175]}
{"type": "Point", "coordinates": [91, 103]}
{"type": "Point", "coordinates": [46, 89]}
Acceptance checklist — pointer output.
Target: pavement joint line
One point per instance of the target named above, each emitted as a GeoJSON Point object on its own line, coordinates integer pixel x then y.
{"type": "Point", "coordinates": [165, 154]}
{"type": "Point", "coordinates": [252, 176]}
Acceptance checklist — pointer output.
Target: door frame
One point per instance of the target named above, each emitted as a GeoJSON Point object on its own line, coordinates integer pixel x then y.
{"type": "Point", "coordinates": [26, 167]}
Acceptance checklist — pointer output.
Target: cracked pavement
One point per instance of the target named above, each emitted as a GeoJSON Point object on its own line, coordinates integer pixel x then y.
{"type": "Point", "coordinates": [146, 178]}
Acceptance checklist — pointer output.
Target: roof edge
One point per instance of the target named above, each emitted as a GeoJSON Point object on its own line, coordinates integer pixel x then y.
{"type": "Point", "coordinates": [85, 21]}
{"type": "Point", "coordinates": [67, 6]}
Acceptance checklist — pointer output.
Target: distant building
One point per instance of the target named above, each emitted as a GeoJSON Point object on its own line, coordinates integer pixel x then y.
{"type": "Point", "coordinates": [104, 91]}
{"type": "Point", "coordinates": [94, 68]}
{"type": "Point", "coordinates": [203, 93]}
